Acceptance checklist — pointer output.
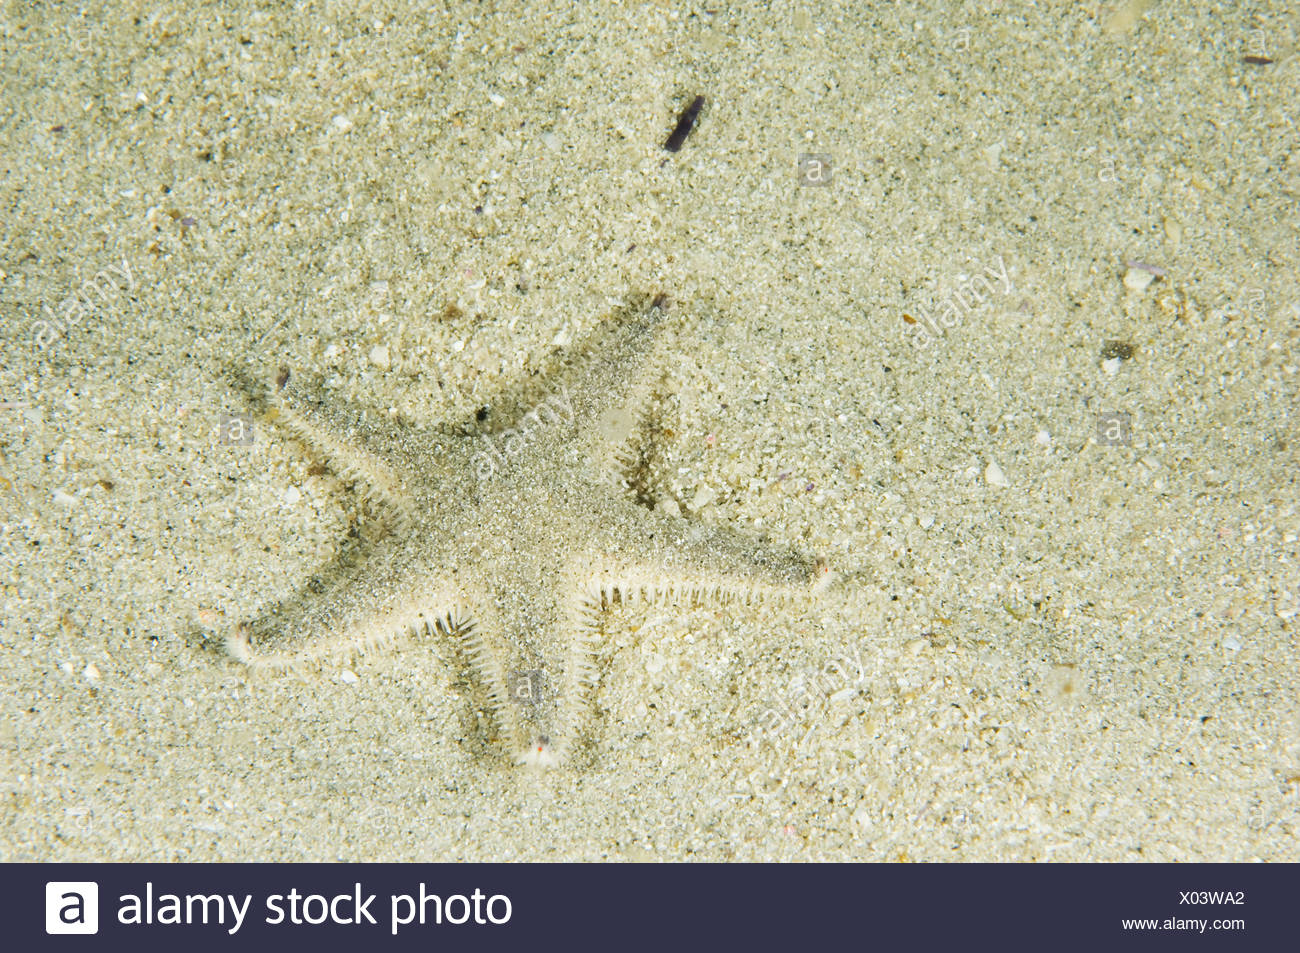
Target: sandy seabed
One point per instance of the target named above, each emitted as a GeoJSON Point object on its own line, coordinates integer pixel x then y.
{"type": "Point", "coordinates": [992, 305]}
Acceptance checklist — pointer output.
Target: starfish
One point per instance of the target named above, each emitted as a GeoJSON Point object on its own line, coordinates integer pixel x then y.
{"type": "Point", "coordinates": [512, 537]}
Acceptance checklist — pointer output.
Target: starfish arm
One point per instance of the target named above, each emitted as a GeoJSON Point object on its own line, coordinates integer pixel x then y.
{"type": "Point", "coordinates": [355, 604]}
{"type": "Point", "coordinates": [358, 444]}
{"type": "Point", "coordinates": [475, 623]}
{"type": "Point", "coordinates": [582, 623]}
{"type": "Point", "coordinates": [656, 556]}
{"type": "Point", "coordinates": [608, 366]}
{"type": "Point", "coordinates": [597, 389]}
{"type": "Point", "coordinates": [613, 385]}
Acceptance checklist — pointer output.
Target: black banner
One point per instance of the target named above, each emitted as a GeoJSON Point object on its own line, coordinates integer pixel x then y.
{"type": "Point", "coordinates": [643, 907]}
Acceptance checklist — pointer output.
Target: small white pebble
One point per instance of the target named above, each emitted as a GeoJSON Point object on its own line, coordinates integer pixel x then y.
{"type": "Point", "coordinates": [703, 497]}
{"type": "Point", "coordinates": [348, 677]}
{"type": "Point", "coordinates": [331, 352]}
{"type": "Point", "coordinates": [668, 506]}
{"type": "Point", "coordinates": [1111, 366]}
{"type": "Point", "coordinates": [292, 495]}
{"type": "Point", "coordinates": [91, 672]}
{"type": "Point", "coordinates": [379, 357]}
{"type": "Point", "coordinates": [1138, 279]}
{"type": "Point", "coordinates": [497, 100]}
{"type": "Point", "coordinates": [1231, 644]}
{"type": "Point", "coordinates": [342, 123]}
{"type": "Point", "coordinates": [64, 499]}
{"type": "Point", "coordinates": [994, 476]}
{"type": "Point", "coordinates": [1043, 438]}
{"type": "Point", "coordinates": [66, 667]}
{"type": "Point", "coordinates": [926, 521]}
{"type": "Point", "coordinates": [1125, 17]}
{"type": "Point", "coordinates": [1287, 608]}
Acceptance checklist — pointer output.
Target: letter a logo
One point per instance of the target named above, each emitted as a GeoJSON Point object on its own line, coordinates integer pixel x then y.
{"type": "Point", "coordinates": [72, 906]}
